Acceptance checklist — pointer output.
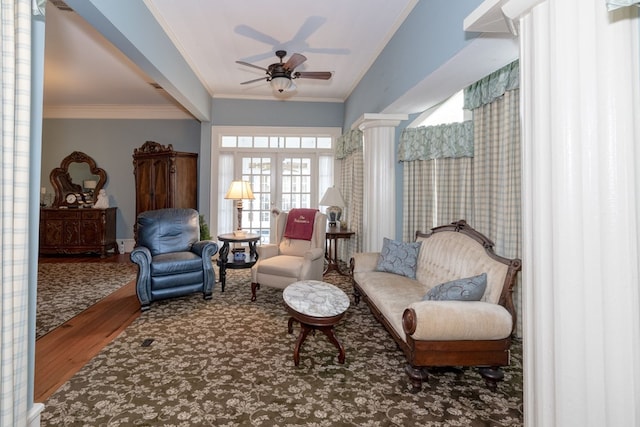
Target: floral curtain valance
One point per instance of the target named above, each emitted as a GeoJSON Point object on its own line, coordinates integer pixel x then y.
{"type": "Point", "coordinates": [493, 86]}
{"type": "Point", "coordinates": [616, 4]}
{"type": "Point", "coordinates": [436, 142]}
{"type": "Point", "coordinates": [349, 143]}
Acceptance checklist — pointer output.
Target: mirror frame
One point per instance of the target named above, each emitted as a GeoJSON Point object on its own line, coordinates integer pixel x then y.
{"type": "Point", "coordinates": [63, 183]}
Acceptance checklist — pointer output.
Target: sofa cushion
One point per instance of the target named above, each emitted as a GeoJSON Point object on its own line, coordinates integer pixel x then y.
{"type": "Point", "coordinates": [467, 289]}
{"type": "Point", "coordinates": [398, 257]}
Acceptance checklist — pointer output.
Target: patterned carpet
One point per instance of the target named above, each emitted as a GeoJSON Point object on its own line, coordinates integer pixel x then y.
{"type": "Point", "coordinates": [66, 289]}
{"type": "Point", "coordinates": [229, 362]}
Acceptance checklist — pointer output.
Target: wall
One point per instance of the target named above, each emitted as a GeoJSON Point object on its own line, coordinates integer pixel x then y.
{"type": "Point", "coordinates": [111, 144]}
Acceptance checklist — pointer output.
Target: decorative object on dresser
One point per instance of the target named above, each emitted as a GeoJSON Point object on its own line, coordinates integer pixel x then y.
{"type": "Point", "coordinates": [68, 180]}
{"type": "Point", "coordinates": [68, 228]}
{"type": "Point", "coordinates": [164, 178]}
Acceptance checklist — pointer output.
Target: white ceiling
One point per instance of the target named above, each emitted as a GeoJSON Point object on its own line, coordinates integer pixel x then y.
{"type": "Point", "coordinates": [84, 71]}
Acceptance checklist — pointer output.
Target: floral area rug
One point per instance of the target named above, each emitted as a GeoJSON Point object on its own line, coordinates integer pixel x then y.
{"type": "Point", "coordinates": [229, 362]}
{"type": "Point", "coordinates": [66, 289]}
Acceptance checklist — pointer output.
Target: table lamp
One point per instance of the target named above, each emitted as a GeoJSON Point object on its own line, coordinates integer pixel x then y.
{"type": "Point", "coordinates": [333, 199]}
{"type": "Point", "coordinates": [238, 191]}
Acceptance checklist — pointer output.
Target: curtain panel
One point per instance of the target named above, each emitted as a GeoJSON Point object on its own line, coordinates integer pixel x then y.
{"type": "Point", "coordinates": [15, 122]}
{"type": "Point", "coordinates": [492, 87]}
{"type": "Point", "coordinates": [348, 143]}
{"type": "Point", "coordinates": [451, 140]}
{"type": "Point", "coordinates": [352, 189]}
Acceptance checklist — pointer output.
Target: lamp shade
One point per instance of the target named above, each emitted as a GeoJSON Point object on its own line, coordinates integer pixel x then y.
{"type": "Point", "coordinates": [332, 197]}
{"type": "Point", "coordinates": [280, 83]}
{"type": "Point", "coordinates": [239, 190]}
{"type": "Point", "coordinates": [89, 184]}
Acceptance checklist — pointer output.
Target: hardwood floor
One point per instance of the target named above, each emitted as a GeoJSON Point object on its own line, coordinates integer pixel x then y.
{"type": "Point", "coordinates": [66, 349]}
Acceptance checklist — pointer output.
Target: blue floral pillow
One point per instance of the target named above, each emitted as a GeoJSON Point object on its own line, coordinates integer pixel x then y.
{"type": "Point", "coordinates": [399, 257]}
{"type": "Point", "coordinates": [468, 289]}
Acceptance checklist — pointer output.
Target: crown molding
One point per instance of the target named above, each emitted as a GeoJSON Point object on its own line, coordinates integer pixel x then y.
{"type": "Point", "coordinates": [97, 111]}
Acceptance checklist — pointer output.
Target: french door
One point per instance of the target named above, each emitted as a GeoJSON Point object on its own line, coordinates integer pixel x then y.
{"type": "Point", "coordinates": [279, 181]}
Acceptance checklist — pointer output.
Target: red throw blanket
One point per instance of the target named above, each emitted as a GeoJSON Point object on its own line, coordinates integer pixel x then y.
{"type": "Point", "coordinates": [300, 224]}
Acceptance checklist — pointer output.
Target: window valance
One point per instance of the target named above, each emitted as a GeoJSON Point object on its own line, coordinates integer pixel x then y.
{"type": "Point", "coordinates": [348, 143]}
{"type": "Point", "coordinates": [493, 86]}
{"type": "Point", "coordinates": [436, 142]}
{"type": "Point", "coordinates": [616, 4]}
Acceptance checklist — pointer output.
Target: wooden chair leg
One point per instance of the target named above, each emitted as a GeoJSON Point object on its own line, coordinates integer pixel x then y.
{"type": "Point", "coordinates": [254, 288]}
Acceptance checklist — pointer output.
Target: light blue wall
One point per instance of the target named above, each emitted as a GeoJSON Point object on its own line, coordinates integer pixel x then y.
{"type": "Point", "coordinates": [238, 112]}
{"type": "Point", "coordinates": [111, 143]}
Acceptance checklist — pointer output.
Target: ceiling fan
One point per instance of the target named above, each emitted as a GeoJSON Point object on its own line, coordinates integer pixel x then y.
{"type": "Point", "coordinates": [281, 74]}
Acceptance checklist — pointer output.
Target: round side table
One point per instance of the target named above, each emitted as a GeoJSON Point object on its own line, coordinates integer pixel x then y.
{"type": "Point", "coordinates": [315, 305]}
{"type": "Point", "coordinates": [223, 254]}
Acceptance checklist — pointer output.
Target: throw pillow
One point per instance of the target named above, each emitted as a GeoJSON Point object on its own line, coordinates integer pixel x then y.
{"type": "Point", "coordinates": [399, 257]}
{"type": "Point", "coordinates": [467, 289]}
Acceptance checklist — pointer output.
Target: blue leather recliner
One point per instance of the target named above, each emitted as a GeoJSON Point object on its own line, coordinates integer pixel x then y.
{"type": "Point", "coordinates": [172, 261]}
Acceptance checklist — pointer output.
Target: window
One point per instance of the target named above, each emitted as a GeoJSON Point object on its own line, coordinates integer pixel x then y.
{"type": "Point", "coordinates": [287, 168]}
{"type": "Point", "coordinates": [449, 111]}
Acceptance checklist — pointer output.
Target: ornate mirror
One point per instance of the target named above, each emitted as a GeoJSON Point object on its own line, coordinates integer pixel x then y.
{"type": "Point", "coordinates": [77, 181]}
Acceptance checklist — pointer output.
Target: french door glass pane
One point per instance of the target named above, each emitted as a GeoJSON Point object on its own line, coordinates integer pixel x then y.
{"type": "Point", "coordinates": [255, 214]}
{"type": "Point", "coordinates": [296, 182]}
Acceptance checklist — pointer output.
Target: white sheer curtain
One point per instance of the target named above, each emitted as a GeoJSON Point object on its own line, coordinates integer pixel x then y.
{"type": "Point", "coordinates": [226, 209]}
{"type": "Point", "coordinates": [15, 80]}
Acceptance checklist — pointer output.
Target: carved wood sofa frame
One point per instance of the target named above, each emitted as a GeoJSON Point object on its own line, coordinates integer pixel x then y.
{"type": "Point", "coordinates": [488, 355]}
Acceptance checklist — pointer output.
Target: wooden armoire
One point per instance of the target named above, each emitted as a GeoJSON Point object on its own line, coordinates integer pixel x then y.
{"type": "Point", "coordinates": [164, 178]}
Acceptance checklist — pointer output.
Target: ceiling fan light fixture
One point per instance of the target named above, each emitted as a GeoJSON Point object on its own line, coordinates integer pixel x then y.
{"type": "Point", "coordinates": [280, 83]}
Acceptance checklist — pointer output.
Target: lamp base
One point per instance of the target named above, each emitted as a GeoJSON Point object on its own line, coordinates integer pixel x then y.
{"type": "Point", "coordinates": [334, 213]}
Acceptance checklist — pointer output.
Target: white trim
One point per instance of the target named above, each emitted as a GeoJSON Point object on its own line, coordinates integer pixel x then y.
{"type": "Point", "coordinates": [498, 16]}
{"type": "Point", "coordinates": [368, 120]}
{"type": "Point", "coordinates": [33, 418]}
{"type": "Point", "coordinates": [97, 111]}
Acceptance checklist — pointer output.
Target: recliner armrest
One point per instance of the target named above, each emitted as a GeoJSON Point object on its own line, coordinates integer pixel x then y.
{"type": "Point", "coordinates": [456, 320]}
{"type": "Point", "coordinates": [205, 248]}
{"type": "Point", "coordinates": [141, 255]}
{"type": "Point", "coordinates": [314, 253]}
{"type": "Point", "coordinates": [267, 251]}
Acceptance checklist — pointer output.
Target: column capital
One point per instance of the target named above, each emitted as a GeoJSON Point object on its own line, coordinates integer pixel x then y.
{"type": "Point", "coordinates": [369, 120]}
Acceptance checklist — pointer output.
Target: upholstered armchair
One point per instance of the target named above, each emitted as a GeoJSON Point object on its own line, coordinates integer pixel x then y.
{"type": "Point", "coordinates": [172, 261]}
{"type": "Point", "coordinates": [297, 254]}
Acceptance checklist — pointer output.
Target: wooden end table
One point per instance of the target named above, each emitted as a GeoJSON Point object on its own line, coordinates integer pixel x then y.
{"type": "Point", "coordinates": [223, 254]}
{"type": "Point", "coordinates": [315, 305]}
{"type": "Point", "coordinates": [331, 252]}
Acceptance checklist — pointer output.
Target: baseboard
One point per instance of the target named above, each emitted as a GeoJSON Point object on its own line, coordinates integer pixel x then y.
{"type": "Point", "coordinates": [33, 418]}
{"type": "Point", "coordinates": [126, 245]}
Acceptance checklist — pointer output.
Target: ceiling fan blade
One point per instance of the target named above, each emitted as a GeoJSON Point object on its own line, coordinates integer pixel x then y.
{"type": "Point", "coordinates": [295, 60]}
{"type": "Point", "coordinates": [254, 80]}
{"type": "Point", "coordinates": [318, 75]}
{"type": "Point", "coordinates": [251, 65]}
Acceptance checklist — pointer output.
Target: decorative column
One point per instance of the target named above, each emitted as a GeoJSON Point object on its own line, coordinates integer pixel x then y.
{"type": "Point", "coordinates": [379, 198]}
{"type": "Point", "coordinates": [580, 101]}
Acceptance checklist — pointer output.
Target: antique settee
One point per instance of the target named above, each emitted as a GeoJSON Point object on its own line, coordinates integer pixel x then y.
{"type": "Point", "coordinates": [441, 315]}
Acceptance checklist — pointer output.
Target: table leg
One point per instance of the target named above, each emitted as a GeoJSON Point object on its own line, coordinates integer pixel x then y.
{"type": "Point", "coordinates": [304, 331]}
{"type": "Point", "coordinates": [222, 263]}
{"type": "Point", "coordinates": [330, 333]}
